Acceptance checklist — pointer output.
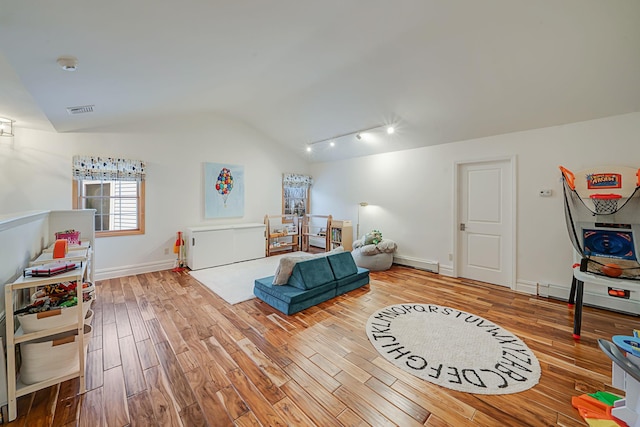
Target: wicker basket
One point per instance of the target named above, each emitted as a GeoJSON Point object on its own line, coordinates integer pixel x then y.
{"type": "Point", "coordinates": [53, 318]}
{"type": "Point", "coordinates": [52, 356]}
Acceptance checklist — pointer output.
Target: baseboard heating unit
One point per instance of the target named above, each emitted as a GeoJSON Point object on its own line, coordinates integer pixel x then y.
{"type": "Point", "coordinates": [421, 264]}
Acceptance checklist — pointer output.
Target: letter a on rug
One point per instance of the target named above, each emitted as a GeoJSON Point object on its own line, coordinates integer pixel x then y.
{"type": "Point", "coordinates": [453, 349]}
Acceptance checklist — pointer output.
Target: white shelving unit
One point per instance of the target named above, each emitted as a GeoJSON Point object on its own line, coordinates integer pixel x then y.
{"type": "Point", "coordinates": [316, 231]}
{"type": "Point", "coordinates": [81, 254]}
{"type": "Point", "coordinates": [282, 233]}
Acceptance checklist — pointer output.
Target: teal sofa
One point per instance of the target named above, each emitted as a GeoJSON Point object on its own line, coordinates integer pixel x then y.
{"type": "Point", "coordinates": [312, 281]}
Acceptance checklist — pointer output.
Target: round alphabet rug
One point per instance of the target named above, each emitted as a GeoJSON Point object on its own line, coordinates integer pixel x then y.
{"type": "Point", "coordinates": [453, 349]}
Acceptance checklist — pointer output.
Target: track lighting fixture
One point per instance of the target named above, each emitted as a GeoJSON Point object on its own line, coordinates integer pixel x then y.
{"type": "Point", "coordinates": [359, 135]}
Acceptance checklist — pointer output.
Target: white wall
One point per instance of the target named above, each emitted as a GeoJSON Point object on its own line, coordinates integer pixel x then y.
{"type": "Point", "coordinates": [22, 239]}
{"type": "Point", "coordinates": [412, 192]}
{"type": "Point", "coordinates": [35, 174]}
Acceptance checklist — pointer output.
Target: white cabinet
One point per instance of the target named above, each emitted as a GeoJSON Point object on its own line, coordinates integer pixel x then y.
{"type": "Point", "coordinates": [211, 246]}
{"type": "Point", "coordinates": [248, 243]}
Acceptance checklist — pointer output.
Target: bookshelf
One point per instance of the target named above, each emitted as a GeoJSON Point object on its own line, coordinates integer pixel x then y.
{"type": "Point", "coordinates": [341, 234]}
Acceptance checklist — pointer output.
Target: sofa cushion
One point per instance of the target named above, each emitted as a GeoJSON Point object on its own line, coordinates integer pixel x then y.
{"type": "Point", "coordinates": [311, 273]}
{"type": "Point", "coordinates": [291, 308]}
{"type": "Point", "coordinates": [342, 265]}
{"type": "Point", "coordinates": [291, 295]}
{"type": "Point", "coordinates": [352, 282]}
{"type": "Point", "coordinates": [286, 264]}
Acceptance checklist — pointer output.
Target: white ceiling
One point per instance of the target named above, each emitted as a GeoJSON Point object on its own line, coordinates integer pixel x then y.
{"type": "Point", "coordinates": [302, 70]}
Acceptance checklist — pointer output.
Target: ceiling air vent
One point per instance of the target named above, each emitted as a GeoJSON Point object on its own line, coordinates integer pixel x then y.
{"type": "Point", "coordinates": [80, 110]}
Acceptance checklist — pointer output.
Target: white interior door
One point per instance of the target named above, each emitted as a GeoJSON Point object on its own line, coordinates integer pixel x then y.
{"type": "Point", "coordinates": [485, 226]}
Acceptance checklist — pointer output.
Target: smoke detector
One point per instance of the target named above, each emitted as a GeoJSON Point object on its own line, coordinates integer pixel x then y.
{"type": "Point", "coordinates": [68, 63]}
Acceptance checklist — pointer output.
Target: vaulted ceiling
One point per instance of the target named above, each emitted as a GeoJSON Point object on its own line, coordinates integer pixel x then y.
{"type": "Point", "coordinates": [301, 71]}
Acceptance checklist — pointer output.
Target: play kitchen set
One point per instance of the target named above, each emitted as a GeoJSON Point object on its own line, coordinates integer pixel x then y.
{"type": "Point", "coordinates": [49, 318]}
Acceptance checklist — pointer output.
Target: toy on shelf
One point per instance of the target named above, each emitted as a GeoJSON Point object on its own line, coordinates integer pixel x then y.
{"type": "Point", "coordinates": [72, 236]}
{"type": "Point", "coordinates": [60, 248]}
{"type": "Point", "coordinates": [602, 211]}
{"type": "Point", "coordinates": [51, 269]}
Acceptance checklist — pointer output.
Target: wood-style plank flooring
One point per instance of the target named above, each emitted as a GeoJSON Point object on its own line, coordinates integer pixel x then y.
{"type": "Point", "coordinates": [166, 351]}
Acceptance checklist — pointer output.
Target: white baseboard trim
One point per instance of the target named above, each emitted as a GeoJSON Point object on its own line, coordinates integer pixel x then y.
{"type": "Point", "coordinates": [130, 270]}
{"type": "Point", "coordinates": [526, 287]}
{"type": "Point", "coordinates": [446, 270]}
{"type": "Point", "coordinates": [421, 264]}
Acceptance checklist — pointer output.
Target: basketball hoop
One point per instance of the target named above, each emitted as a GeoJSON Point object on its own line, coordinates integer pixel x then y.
{"type": "Point", "coordinates": [605, 203]}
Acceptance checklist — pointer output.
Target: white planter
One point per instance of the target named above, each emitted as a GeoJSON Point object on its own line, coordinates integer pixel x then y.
{"type": "Point", "coordinates": [52, 356]}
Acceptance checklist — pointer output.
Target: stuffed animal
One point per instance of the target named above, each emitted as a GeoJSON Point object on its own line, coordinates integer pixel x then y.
{"type": "Point", "coordinates": [374, 237]}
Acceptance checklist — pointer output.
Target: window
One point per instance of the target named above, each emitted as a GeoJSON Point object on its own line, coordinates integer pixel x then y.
{"type": "Point", "coordinates": [295, 194]}
{"type": "Point", "coordinates": [115, 188]}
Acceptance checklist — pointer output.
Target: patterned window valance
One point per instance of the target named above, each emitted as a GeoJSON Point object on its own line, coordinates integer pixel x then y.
{"type": "Point", "coordinates": [294, 180]}
{"type": "Point", "coordinates": [108, 168]}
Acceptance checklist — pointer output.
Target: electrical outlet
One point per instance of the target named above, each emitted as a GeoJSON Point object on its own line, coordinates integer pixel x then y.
{"type": "Point", "coordinates": [545, 193]}
{"type": "Point", "coordinates": [166, 251]}
{"type": "Point", "coordinates": [450, 257]}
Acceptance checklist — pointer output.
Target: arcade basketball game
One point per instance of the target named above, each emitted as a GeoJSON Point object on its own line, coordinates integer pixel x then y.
{"type": "Point", "coordinates": [602, 211]}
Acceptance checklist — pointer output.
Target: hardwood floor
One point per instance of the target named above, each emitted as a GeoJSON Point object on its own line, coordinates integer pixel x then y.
{"type": "Point", "coordinates": [166, 351]}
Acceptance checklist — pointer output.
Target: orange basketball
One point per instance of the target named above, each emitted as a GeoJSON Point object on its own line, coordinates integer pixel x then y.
{"type": "Point", "coordinates": [612, 270]}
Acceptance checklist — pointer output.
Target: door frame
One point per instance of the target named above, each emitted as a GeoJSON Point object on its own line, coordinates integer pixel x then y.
{"type": "Point", "coordinates": [457, 211]}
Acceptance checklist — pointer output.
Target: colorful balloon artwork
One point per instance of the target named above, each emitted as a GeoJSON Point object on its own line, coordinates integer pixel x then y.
{"type": "Point", "coordinates": [224, 184]}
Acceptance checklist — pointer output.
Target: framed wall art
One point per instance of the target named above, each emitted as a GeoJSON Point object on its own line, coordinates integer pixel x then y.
{"type": "Point", "coordinates": [223, 190]}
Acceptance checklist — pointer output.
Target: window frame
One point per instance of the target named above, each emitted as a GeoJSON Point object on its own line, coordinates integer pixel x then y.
{"type": "Point", "coordinates": [284, 199]}
{"type": "Point", "coordinates": [111, 233]}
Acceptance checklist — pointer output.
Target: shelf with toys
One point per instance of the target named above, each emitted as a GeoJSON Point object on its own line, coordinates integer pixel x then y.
{"type": "Point", "coordinates": [48, 320]}
{"type": "Point", "coordinates": [282, 233]}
